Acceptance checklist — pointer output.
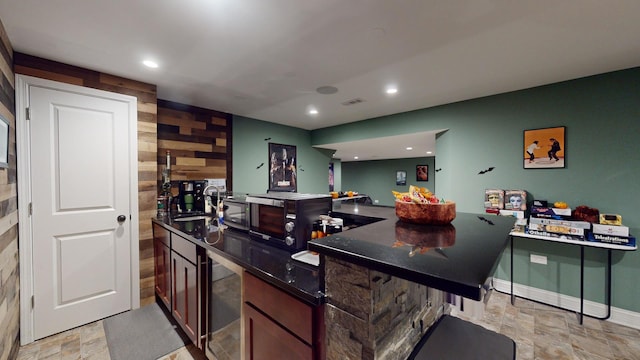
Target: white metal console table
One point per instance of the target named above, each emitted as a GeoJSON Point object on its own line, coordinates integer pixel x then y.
{"type": "Point", "coordinates": [582, 244]}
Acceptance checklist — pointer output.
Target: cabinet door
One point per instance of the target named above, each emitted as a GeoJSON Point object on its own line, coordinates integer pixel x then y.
{"type": "Point", "coordinates": [185, 295]}
{"type": "Point", "coordinates": [290, 312]}
{"type": "Point", "coordinates": [162, 266]}
{"type": "Point", "coordinates": [265, 339]}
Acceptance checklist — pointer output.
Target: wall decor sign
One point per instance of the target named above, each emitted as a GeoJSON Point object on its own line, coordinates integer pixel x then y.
{"type": "Point", "coordinates": [545, 148]}
{"type": "Point", "coordinates": [4, 142]}
{"type": "Point", "coordinates": [401, 177]}
{"type": "Point", "coordinates": [422, 172]}
{"type": "Point", "coordinates": [282, 168]}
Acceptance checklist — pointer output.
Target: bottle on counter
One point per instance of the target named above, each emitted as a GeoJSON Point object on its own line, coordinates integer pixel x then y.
{"type": "Point", "coordinates": [162, 207]}
{"type": "Point", "coordinates": [207, 205]}
{"type": "Point", "coordinates": [220, 213]}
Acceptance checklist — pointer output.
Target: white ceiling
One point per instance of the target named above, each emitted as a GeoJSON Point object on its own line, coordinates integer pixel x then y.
{"type": "Point", "coordinates": [265, 59]}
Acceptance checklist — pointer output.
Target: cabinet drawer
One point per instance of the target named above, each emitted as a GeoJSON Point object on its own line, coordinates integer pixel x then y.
{"type": "Point", "coordinates": [185, 248]}
{"type": "Point", "coordinates": [161, 234]}
{"type": "Point", "coordinates": [264, 339]}
{"type": "Point", "coordinates": [283, 308]}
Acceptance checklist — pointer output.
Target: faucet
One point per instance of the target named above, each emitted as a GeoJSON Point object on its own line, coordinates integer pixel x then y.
{"type": "Point", "coordinates": [206, 189]}
{"type": "Point", "coordinates": [218, 212]}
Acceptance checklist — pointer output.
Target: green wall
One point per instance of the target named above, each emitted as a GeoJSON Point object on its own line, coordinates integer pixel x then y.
{"type": "Point", "coordinates": [602, 118]}
{"type": "Point", "coordinates": [250, 149]}
{"type": "Point", "coordinates": [378, 178]}
{"type": "Point", "coordinates": [337, 174]}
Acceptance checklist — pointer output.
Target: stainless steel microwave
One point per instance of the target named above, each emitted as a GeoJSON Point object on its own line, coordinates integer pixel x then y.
{"type": "Point", "coordinates": [236, 213]}
{"type": "Point", "coordinates": [286, 219]}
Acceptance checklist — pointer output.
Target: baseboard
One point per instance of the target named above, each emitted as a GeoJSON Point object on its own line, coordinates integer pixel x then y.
{"type": "Point", "coordinates": [618, 316]}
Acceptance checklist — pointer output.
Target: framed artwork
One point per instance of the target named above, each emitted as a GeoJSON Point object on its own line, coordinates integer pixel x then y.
{"type": "Point", "coordinates": [401, 177]}
{"type": "Point", "coordinates": [422, 172]}
{"type": "Point", "coordinates": [331, 180]}
{"type": "Point", "coordinates": [545, 148]}
{"type": "Point", "coordinates": [4, 142]}
{"type": "Point", "coordinates": [282, 168]}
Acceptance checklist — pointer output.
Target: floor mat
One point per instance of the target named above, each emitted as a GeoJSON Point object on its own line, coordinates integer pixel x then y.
{"type": "Point", "coordinates": [142, 334]}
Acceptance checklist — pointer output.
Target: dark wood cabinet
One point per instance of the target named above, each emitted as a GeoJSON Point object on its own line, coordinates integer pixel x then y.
{"type": "Point", "coordinates": [180, 280]}
{"type": "Point", "coordinates": [275, 323]}
{"type": "Point", "coordinates": [278, 325]}
{"type": "Point", "coordinates": [265, 339]}
{"type": "Point", "coordinates": [185, 295]}
{"type": "Point", "coordinates": [162, 263]}
{"type": "Point", "coordinates": [188, 263]}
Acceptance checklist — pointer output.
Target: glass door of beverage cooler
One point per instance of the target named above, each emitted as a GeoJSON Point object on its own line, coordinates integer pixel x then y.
{"type": "Point", "coordinates": [224, 309]}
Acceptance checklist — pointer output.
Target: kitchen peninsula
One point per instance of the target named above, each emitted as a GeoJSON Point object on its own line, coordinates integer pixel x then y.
{"type": "Point", "coordinates": [407, 272]}
{"type": "Point", "coordinates": [386, 282]}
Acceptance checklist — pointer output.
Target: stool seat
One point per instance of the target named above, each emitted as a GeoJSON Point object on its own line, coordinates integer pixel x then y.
{"type": "Point", "coordinates": [452, 338]}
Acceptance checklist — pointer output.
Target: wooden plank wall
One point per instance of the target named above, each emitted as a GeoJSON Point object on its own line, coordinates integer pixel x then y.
{"type": "Point", "coordinates": [9, 256]}
{"type": "Point", "coordinates": [199, 141]}
{"type": "Point", "coordinates": [147, 143]}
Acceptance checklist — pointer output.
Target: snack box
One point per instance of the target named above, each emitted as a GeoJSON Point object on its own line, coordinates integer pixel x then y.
{"type": "Point", "coordinates": [610, 219]}
{"type": "Point", "coordinates": [571, 223]}
{"type": "Point", "coordinates": [515, 213]}
{"type": "Point", "coordinates": [494, 199]}
{"type": "Point", "coordinates": [559, 229]}
{"type": "Point", "coordinates": [515, 200]}
{"type": "Point", "coordinates": [610, 230]}
{"type": "Point", "coordinates": [520, 226]}
{"type": "Point", "coordinates": [554, 213]}
{"type": "Point", "coordinates": [612, 239]}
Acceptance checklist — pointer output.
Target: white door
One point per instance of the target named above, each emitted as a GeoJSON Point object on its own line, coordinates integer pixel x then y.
{"type": "Point", "coordinates": [80, 186]}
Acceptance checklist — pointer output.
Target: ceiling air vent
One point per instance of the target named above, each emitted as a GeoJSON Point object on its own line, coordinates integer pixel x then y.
{"type": "Point", "coordinates": [353, 102]}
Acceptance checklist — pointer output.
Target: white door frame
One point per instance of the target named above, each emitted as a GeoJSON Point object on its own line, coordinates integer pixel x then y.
{"type": "Point", "coordinates": [23, 156]}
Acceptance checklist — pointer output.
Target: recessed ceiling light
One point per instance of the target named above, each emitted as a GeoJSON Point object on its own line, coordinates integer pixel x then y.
{"type": "Point", "coordinates": [313, 112]}
{"type": "Point", "coordinates": [409, 148]}
{"type": "Point", "coordinates": [429, 152]}
{"type": "Point", "coordinates": [392, 90]}
{"type": "Point", "coordinates": [150, 63]}
{"type": "Point", "coordinates": [355, 157]}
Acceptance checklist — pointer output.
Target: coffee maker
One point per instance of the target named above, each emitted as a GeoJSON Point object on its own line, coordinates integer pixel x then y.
{"type": "Point", "coordinates": [191, 197]}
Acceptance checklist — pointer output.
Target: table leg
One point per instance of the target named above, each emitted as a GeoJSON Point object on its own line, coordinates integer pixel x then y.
{"type": "Point", "coordinates": [608, 284]}
{"type": "Point", "coordinates": [513, 298]}
{"type": "Point", "coordinates": [581, 283]}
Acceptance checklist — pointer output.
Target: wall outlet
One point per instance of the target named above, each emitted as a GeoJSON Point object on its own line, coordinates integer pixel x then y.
{"type": "Point", "coordinates": [376, 201]}
{"type": "Point", "coordinates": [538, 259]}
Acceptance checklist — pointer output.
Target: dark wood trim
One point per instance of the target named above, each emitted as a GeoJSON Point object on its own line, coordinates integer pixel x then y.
{"type": "Point", "coordinates": [35, 62]}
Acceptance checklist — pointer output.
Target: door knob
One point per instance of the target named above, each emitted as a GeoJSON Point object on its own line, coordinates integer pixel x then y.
{"type": "Point", "coordinates": [121, 218]}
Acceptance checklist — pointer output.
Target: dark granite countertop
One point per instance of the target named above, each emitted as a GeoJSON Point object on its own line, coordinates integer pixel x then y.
{"type": "Point", "coordinates": [457, 258]}
{"type": "Point", "coordinates": [272, 265]}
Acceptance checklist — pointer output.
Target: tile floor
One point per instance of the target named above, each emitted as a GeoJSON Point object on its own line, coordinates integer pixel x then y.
{"type": "Point", "coordinates": [541, 332]}
{"type": "Point", "coordinates": [544, 332]}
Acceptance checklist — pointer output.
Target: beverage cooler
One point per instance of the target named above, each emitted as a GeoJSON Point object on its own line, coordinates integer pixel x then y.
{"type": "Point", "coordinates": [224, 309]}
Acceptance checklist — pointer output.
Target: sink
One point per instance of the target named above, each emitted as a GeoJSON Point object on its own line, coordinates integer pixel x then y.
{"type": "Point", "coordinates": [191, 216]}
{"type": "Point", "coordinates": [351, 221]}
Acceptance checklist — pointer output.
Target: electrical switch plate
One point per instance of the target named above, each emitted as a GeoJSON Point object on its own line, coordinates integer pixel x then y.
{"type": "Point", "coordinates": [538, 259]}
